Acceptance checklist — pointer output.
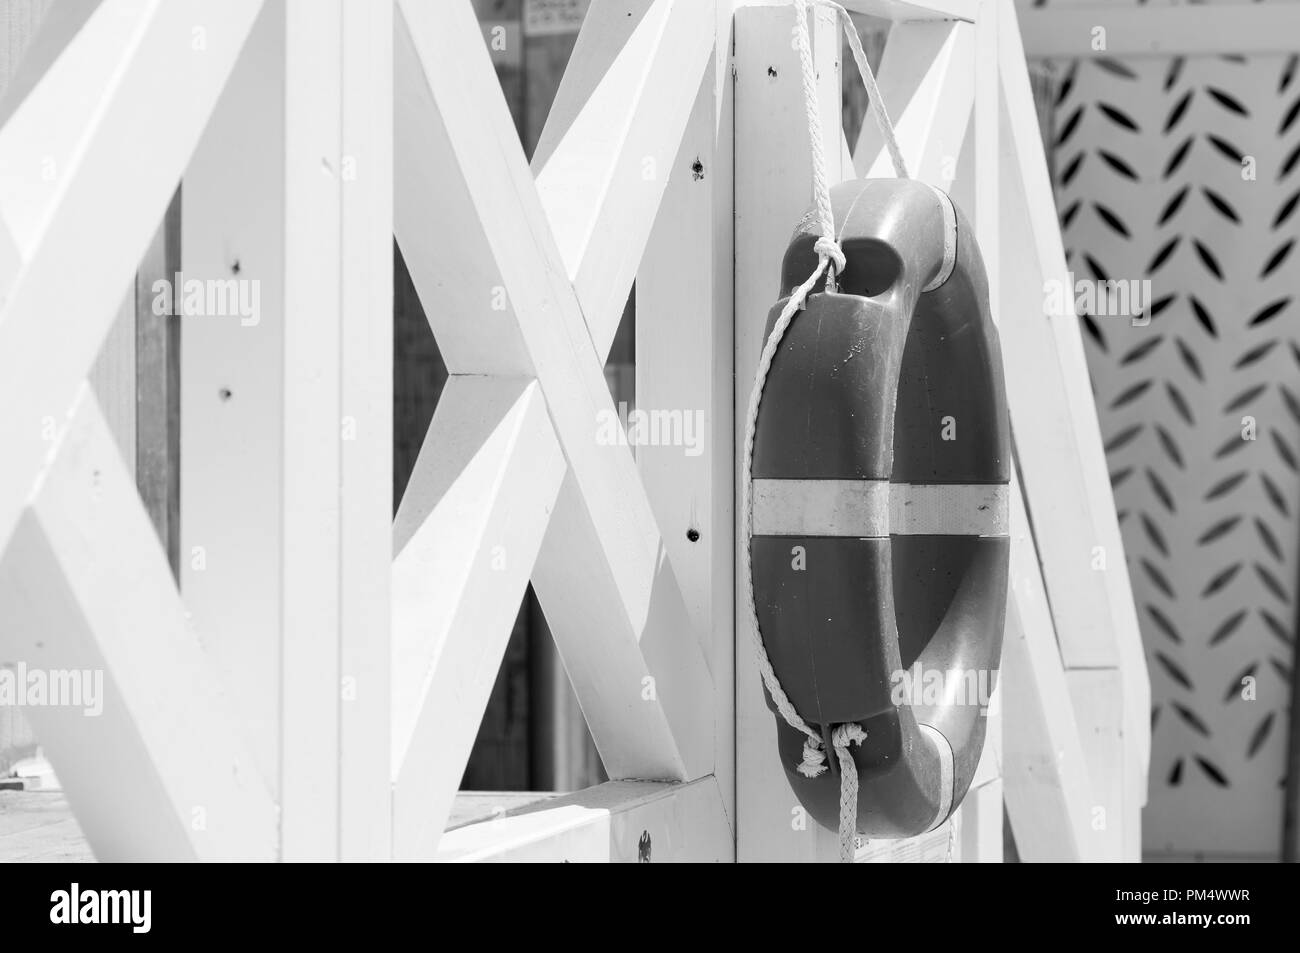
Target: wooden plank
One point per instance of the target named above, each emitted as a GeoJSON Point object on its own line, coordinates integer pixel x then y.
{"type": "Point", "coordinates": [1119, 636]}
{"type": "Point", "coordinates": [1167, 30]}
{"type": "Point", "coordinates": [610, 141]}
{"type": "Point", "coordinates": [100, 218]}
{"type": "Point", "coordinates": [311, 568]}
{"type": "Point", "coordinates": [365, 422]}
{"type": "Point", "coordinates": [467, 538]}
{"type": "Point", "coordinates": [611, 597]}
{"type": "Point", "coordinates": [617, 822]}
{"type": "Point", "coordinates": [684, 351]}
{"type": "Point", "coordinates": [159, 772]}
{"type": "Point", "coordinates": [773, 188]}
{"type": "Point", "coordinates": [1044, 772]}
{"type": "Point", "coordinates": [232, 228]}
{"type": "Point", "coordinates": [980, 830]}
{"type": "Point", "coordinates": [927, 83]}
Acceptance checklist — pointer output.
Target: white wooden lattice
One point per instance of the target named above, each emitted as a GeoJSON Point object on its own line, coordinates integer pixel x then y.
{"type": "Point", "coordinates": [270, 738]}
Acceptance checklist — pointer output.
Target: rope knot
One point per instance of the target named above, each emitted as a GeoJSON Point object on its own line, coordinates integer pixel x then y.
{"type": "Point", "coordinates": [814, 758]}
{"type": "Point", "coordinates": [847, 734]}
{"type": "Point", "coordinates": [828, 247]}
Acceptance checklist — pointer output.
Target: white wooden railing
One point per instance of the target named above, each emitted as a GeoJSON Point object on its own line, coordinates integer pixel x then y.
{"type": "Point", "coordinates": [314, 687]}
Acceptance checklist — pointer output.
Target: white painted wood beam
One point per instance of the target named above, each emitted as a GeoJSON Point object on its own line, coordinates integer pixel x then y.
{"type": "Point", "coordinates": [162, 771]}
{"type": "Point", "coordinates": [616, 822]}
{"type": "Point", "coordinates": [629, 611]}
{"type": "Point", "coordinates": [105, 203]}
{"type": "Point", "coordinates": [927, 83]}
{"type": "Point", "coordinates": [611, 138]}
{"type": "Point", "coordinates": [467, 538]}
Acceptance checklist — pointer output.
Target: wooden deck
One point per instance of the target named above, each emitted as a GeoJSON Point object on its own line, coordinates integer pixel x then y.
{"type": "Point", "coordinates": [38, 826]}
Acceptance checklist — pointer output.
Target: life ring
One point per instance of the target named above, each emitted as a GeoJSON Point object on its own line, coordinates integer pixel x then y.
{"type": "Point", "coordinates": [881, 470]}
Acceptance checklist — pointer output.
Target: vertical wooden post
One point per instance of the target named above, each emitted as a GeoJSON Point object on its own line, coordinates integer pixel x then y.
{"type": "Point", "coordinates": [684, 351]}
{"type": "Point", "coordinates": [773, 189]}
{"type": "Point", "coordinates": [366, 430]}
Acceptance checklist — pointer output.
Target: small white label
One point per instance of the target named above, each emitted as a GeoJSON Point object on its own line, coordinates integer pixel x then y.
{"type": "Point", "coordinates": [552, 17]}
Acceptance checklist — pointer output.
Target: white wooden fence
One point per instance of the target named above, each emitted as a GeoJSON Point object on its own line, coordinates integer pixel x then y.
{"type": "Point", "coordinates": [313, 689]}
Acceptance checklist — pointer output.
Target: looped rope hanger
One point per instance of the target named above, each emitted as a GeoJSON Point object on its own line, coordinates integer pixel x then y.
{"type": "Point", "coordinates": [830, 261]}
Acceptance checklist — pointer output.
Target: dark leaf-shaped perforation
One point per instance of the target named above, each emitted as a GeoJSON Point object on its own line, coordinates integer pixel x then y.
{"type": "Point", "coordinates": [1244, 398]}
{"type": "Point", "coordinates": [1229, 447]}
{"type": "Point", "coordinates": [1094, 266]}
{"type": "Point", "coordinates": [1094, 331]}
{"type": "Point", "coordinates": [1268, 539]}
{"type": "Point", "coordinates": [1071, 167]}
{"type": "Point", "coordinates": [1153, 533]}
{"type": "Point", "coordinates": [1226, 485]}
{"type": "Point", "coordinates": [1172, 74]}
{"type": "Point", "coordinates": [1283, 449]}
{"type": "Point", "coordinates": [1218, 530]}
{"type": "Point", "coordinates": [1227, 101]}
{"type": "Point", "coordinates": [1288, 72]}
{"type": "Point", "coordinates": [1069, 126]}
{"type": "Point", "coordinates": [1158, 578]}
{"type": "Point", "coordinates": [1222, 206]}
{"type": "Point", "coordinates": [1120, 517]}
{"type": "Point", "coordinates": [1226, 148]}
{"type": "Point", "coordinates": [1070, 212]}
{"type": "Point", "coordinates": [1163, 253]}
{"type": "Point", "coordinates": [1067, 83]}
{"type": "Point", "coordinates": [1192, 720]}
{"type": "Point", "coordinates": [1236, 58]}
{"type": "Point", "coordinates": [1221, 580]}
{"type": "Point", "coordinates": [1272, 584]}
{"type": "Point", "coordinates": [1275, 495]}
{"type": "Point", "coordinates": [1269, 312]}
{"type": "Point", "coordinates": [1203, 316]}
{"type": "Point", "coordinates": [1176, 158]}
{"type": "Point", "coordinates": [1179, 110]}
{"type": "Point", "coordinates": [1123, 437]}
{"type": "Point", "coordinates": [1292, 403]}
{"type": "Point", "coordinates": [1212, 772]}
{"type": "Point", "coordinates": [1160, 304]}
{"type": "Point", "coordinates": [1114, 67]}
{"type": "Point", "coordinates": [1118, 164]}
{"type": "Point", "coordinates": [1255, 354]}
{"type": "Point", "coordinates": [1161, 491]}
{"type": "Point", "coordinates": [1285, 210]}
{"type": "Point", "coordinates": [1118, 117]}
{"type": "Point", "coordinates": [1163, 624]}
{"type": "Point", "coordinates": [1234, 687]}
{"type": "Point", "coordinates": [1227, 627]}
{"type": "Point", "coordinates": [1171, 448]}
{"type": "Point", "coordinates": [1173, 670]}
{"type": "Point", "coordinates": [1277, 258]}
{"type": "Point", "coordinates": [1281, 631]}
{"type": "Point", "coordinates": [1141, 351]}
{"type": "Point", "coordinates": [1176, 774]}
{"type": "Point", "coordinates": [1173, 205]}
{"type": "Point", "coordinates": [1119, 476]}
{"type": "Point", "coordinates": [1155, 716]}
{"type": "Point", "coordinates": [1282, 669]}
{"type": "Point", "coordinates": [1260, 734]}
{"type": "Point", "coordinates": [1207, 259]}
{"type": "Point", "coordinates": [1289, 163]}
{"type": "Point", "coordinates": [1289, 117]}
{"type": "Point", "coordinates": [1131, 393]}
{"type": "Point", "coordinates": [1179, 403]}
{"type": "Point", "coordinates": [1115, 223]}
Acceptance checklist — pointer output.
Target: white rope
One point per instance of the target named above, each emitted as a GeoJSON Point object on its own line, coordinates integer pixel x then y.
{"type": "Point", "coordinates": [829, 256]}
